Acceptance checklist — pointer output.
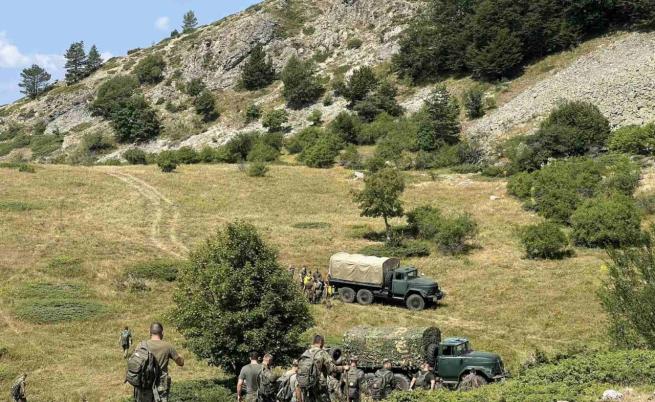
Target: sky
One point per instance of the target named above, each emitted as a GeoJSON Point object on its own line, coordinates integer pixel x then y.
{"type": "Point", "coordinates": [40, 31]}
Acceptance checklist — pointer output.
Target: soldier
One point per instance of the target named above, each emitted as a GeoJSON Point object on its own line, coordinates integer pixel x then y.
{"type": "Point", "coordinates": [18, 389]}
{"type": "Point", "coordinates": [163, 352]}
{"type": "Point", "coordinates": [316, 360]}
{"type": "Point", "coordinates": [125, 341]}
{"type": "Point", "coordinates": [354, 381]}
{"type": "Point", "coordinates": [334, 388]}
{"type": "Point", "coordinates": [424, 378]}
{"type": "Point", "coordinates": [384, 382]}
{"type": "Point", "coordinates": [267, 382]}
{"type": "Point", "coordinates": [249, 376]}
{"type": "Point", "coordinates": [303, 274]}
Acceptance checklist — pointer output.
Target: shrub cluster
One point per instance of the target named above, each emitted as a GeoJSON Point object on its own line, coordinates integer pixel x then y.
{"type": "Point", "coordinates": [638, 140]}
{"type": "Point", "coordinates": [47, 303]}
{"type": "Point", "coordinates": [150, 70]}
{"type": "Point", "coordinates": [451, 234]}
{"type": "Point", "coordinates": [544, 240]}
{"type": "Point", "coordinates": [607, 221]}
{"type": "Point", "coordinates": [301, 85]}
{"type": "Point", "coordinates": [158, 270]}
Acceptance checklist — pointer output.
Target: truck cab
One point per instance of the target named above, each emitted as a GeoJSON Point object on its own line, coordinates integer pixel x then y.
{"type": "Point", "coordinates": [457, 363]}
{"type": "Point", "coordinates": [406, 282]}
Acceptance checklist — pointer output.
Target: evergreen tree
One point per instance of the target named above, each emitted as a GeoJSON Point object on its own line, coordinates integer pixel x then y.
{"type": "Point", "coordinates": [75, 63]}
{"type": "Point", "coordinates": [190, 22]}
{"type": "Point", "coordinates": [34, 81]}
{"type": "Point", "coordinates": [440, 125]}
{"type": "Point", "coordinates": [234, 297]}
{"type": "Point", "coordinates": [257, 72]}
{"type": "Point", "coordinates": [135, 120]}
{"type": "Point", "coordinates": [205, 106]}
{"type": "Point", "coordinates": [93, 61]}
{"type": "Point", "coordinates": [301, 85]}
{"type": "Point", "coordinates": [361, 82]}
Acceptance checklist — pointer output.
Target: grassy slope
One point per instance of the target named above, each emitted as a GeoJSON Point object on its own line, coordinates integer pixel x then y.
{"type": "Point", "coordinates": [502, 302]}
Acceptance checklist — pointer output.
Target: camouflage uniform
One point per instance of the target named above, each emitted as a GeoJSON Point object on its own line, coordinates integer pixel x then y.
{"type": "Point", "coordinates": [334, 388]}
{"type": "Point", "coordinates": [354, 383]}
{"type": "Point", "coordinates": [389, 381]}
{"type": "Point", "coordinates": [20, 385]}
{"type": "Point", "coordinates": [325, 366]}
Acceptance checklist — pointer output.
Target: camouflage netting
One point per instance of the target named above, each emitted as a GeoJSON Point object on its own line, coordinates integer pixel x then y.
{"type": "Point", "coordinates": [405, 347]}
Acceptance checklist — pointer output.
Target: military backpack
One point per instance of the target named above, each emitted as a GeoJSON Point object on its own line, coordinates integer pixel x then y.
{"type": "Point", "coordinates": [142, 368]}
{"type": "Point", "coordinates": [15, 390]}
{"type": "Point", "coordinates": [308, 374]}
{"type": "Point", "coordinates": [267, 387]}
{"type": "Point", "coordinates": [377, 387]}
{"type": "Point", "coordinates": [285, 392]}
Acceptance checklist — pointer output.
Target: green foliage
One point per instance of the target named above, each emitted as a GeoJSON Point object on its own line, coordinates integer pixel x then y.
{"type": "Point", "coordinates": [354, 43]}
{"type": "Point", "coordinates": [440, 124]}
{"type": "Point", "coordinates": [346, 126]}
{"type": "Point", "coordinates": [34, 81]}
{"type": "Point", "coordinates": [150, 69]}
{"type": "Point", "coordinates": [47, 303]}
{"type": "Point", "coordinates": [44, 145]}
{"type": "Point", "coordinates": [628, 293]}
{"type": "Point", "coordinates": [189, 22]}
{"type": "Point", "coordinates": [275, 120]}
{"type": "Point", "coordinates": [135, 120]}
{"type": "Point", "coordinates": [65, 266]}
{"type": "Point", "coordinates": [322, 152]}
{"type": "Point", "coordinates": [113, 93]}
{"type": "Point", "coordinates": [404, 249]}
{"type": "Point", "coordinates": [451, 234]}
{"type": "Point", "coordinates": [257, 71]}
{"type": "Point", "coordinates": [262, 152]}
{"type": "Point", "coordinates": [301, 85]}
{"type": "Point", "coordinates": [638, 140]}
{"type": "Point", "coordinates": [501, 57]}
{"type": "Point", "coordinates": [361, 82]}
{"type": "Point", "coordinates": [350, 158]}
{"type": "Point", "coordinates": [520, 185]}
{"type": "Point", "coordinates": [195, 87]}
{"type": "Point", "coordinates": [257, 169]}
{"type": "Point", "coordinates": [17, 206]}
{"type": "Point", "coordinates": [544, 240]}
{"type": "Point", "coordinates": [423, 222]}
{"type": "Point", "coordinates": [382, 100]}
{"type": "Point", "coordinates": [166, 161]}
{"type": "Point", "coordinates": [315, 117]}
{"type": "Point", "coordinates": [156, 270]}
{"type": "Point", "coordinates": [474, 103]}
{"type": "Point", "coordinates": [186, 156]}
{"type": "Point", "coordinates": [369, 133]}
{"type": "Point", "coordinates": [97, 142]}
{"type": "Point", "coordinates": [239, 146]}
{"type": "Point", "coordinates": [400, 139]}
{"type": "Point", "coordinates": [381, 196]}
{"type": "Point", "coordinates": [200, 391]}
{"type": "Point", "coordinates": [234, 297]}
{"type": "Point", "coordinates": [205, 105]}
{"type": "Point", "coordinates": [607, 221]}
{"type": "Point", "coordinates": [135, 156]}
{"type": "Point", "coordinates": [253, 113]}
{"type": "Point", "coordinates": [75, 63]}
{"type": "Point", "coordinates": [304, 139]}
{"type": "Point", "coordinates": [93, 61]}
{"type": "Point", "coordinates": [311, 225]}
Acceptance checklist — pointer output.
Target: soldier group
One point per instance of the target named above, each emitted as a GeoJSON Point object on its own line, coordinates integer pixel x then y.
{"type": "Point", "coordinates": [313, 286]}
{"type": "Point", "coordinates": [318, 376]}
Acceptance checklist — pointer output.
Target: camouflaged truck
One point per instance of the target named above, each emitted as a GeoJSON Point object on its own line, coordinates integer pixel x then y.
{"type": "Point", "coordinates": [364, 278]}
{"type": "Point", "coordinates": [453, 360]}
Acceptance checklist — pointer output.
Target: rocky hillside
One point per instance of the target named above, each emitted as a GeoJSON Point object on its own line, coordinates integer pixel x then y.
{"type": "Point", "coordinates": [339, 35]}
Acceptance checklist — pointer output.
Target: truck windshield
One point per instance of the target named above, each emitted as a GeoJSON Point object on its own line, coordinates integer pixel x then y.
{"type": "Point", "coordinates": [463, 348]}
{"type": "Point", "coordinates": [412, 274]}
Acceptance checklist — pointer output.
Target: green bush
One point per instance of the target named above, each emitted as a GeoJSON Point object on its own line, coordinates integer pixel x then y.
{"type": "Point", "coordinates": [424, 222]}
{"type": "Point", "coordinates": [646, 203]}
{"type": "Point", "coordinates": [439, 124]}
{"type": "Point", "coordinates": [150, 69]}
{"type": "Point", "coordinates": [262, 152]}
{"type": "Point", "coordinates": [347, 126]}
{"type": "Point", "coordinates": [607, 221]}
{"type": "Point", "coordinates": [135, 156]}
{"type": "Point", "coordinates": [638, 140]}
{"type": "Point", "coordinates": [381, 100]}
{"type": "Point", "coordinates": [405, 249]}
{"type": "Point", "coordinates": [350, 158]}
{"type": "Point", "coordinates": [200, 391]}
{"type": "Point", "coordinates": [253, 113]}
{"type": "Point", "coordinates": [97, 142]}
{"type": "Point", "coordinates": [113, 93]}
{"type": "Point", "coordinates": [195, 87]}
{"type": "Point", "coordinates": [257, 72]}
{"type": "Point", "coordinates": [315, 117]}
{"type": "Point", "coordinates": [166, 161]}
{"type": "Point", "coordinates": [301, 85]}
{"type": "Point", "coordinates": [520, 185]}
{"type": "Point", "coordinates": [370, 133]}
{"type": "Point", "coordinates": [275, 120]}
{"type": "Point", "coordinates": [157, 270]}
{"type": "Point", "coordinates": [454, 234]}
{"type": "Point", "coordinates": [544, 240]}
{"type": "Point", "coordinates": [205, 105]}
{"type": "Point", "coordinates": [354, 43]}
{"type": "Point", "coordinates": [135, 120]}
{"type": "Point", "coordinates": [257, 169]}
{"type": "Point", "coordinates": [304, 139]}
{"type": "Point", "coordinates": [474, 103]}
{"type": "Point", "coordinates": [239, 146]}
{"type": "Point", "coordinates": [208, 155]}
{"type": "Point", "coordinates": [186, 156]}
{"type": "Point", "coordinates": [56, 310]}
{"type": "Point", "coordinates": [322, 153]}
{"type": "Point", "coordinates": [361, 82]}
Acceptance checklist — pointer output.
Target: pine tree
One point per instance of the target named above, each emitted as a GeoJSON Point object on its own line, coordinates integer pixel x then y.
{"type": "Point", "coordinates": [302, 86]}
{"type": "Point", "coordinates": [257, 72]}
{"type": "Point", "coordinates": [440, 126]}
{"type": "Point", "coordinates": [190, 22]}
{"type": "Point", "coordinates": [34, 81]}
{"type": "Point", "coordinates": [93, 61]}
{"type": "Point", "coordinates": [75, 63]}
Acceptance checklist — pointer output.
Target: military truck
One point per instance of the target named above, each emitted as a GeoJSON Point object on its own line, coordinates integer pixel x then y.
{"type": "Point", "coordinates": [453, 360]}
{"type": "Point", "coordinates": [364, 278]}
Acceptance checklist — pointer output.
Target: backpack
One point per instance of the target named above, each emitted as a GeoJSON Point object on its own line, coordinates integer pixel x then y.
{"type": "Point", "coordinates": [142, 368]}
{"type": "Point", "coordinates": [377, 387]}
{"type": "Point", "coordinates": [285, 392]}
{"type": "Point", "coordinates": [15, 390]}
{"type": "Point", "coordinates": [308, 374]}
{"type": "Point", "coordinates": [353, 384]}
{"type": "Point", "coordinates": [267, 386]}
{"type": "Point", "coordinates": [125, 338]}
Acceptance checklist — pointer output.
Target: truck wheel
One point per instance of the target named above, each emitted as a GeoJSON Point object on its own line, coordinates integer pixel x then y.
{"type": "Point", "coordinates": [415, 302]}
{"type": "Point", "coordinates": [471, 381]}
{"type": "Point", "coordinates": [364, 297]}
{"type": "Point", "coordinates": [402, 382]}
{"type": "Point", "coordinates": [431, 354]}
{"type": "Point", "coordinates": [347, 295]}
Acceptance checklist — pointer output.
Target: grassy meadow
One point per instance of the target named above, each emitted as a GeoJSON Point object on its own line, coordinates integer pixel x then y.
{"type": "Point", "coordinates": [67, 233]}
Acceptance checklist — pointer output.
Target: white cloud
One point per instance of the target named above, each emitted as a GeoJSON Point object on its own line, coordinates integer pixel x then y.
{"type": "Point", "coordinates": [106, 55]}
{"type": "Point", "coordinates": [163, 23]}
{"type": "Point", "coordinates": [10, 56]}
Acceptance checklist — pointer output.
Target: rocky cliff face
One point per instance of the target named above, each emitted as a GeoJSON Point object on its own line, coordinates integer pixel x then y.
{"type": "Point", "coordinates": [318, 29]}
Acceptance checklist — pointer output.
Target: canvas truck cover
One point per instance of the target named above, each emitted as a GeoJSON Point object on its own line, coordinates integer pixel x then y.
{"type": "Point", "coordinates": [361, 268]}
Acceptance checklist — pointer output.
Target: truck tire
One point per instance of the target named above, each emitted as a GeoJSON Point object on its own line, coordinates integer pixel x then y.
{"type": "Point", "coordinates": [364, 297]}
{"type": "Point", "coordinates": [471, 381]}
{"type": "Point", "coordinates": [347, 295]}
{"type": "Point", "coordinates": [431, 354]}
{"type": "Point", "coordinates": [402, 382]}
{"type": "Point", "coordinates": [415, 302]}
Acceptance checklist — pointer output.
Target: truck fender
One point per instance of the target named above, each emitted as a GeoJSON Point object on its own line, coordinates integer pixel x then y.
{"type": "Point", "coordinates": [474, 369]}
